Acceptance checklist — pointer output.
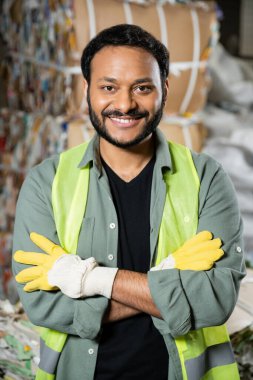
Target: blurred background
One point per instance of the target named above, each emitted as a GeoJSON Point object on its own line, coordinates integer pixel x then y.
{"type": "Point", "coordinates": [42, 112]}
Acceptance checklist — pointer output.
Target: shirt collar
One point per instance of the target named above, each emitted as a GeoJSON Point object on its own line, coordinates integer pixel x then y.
{"type": "Point", "coordinates": [163, 157]}
{"type": "Point", "coordinates": [91, 154]}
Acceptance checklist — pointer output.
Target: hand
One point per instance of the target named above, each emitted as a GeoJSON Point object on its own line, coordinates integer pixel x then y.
{"type": "Point", "coordinates": [69, 274]}
{"type": "Point", "coordinates": [79, 278]}
{"type": "Point", "coordinates": [36, 277]}
{"type": "Point", "coordinates": [197, 253]}
{"type": "Point", "coordinates": [56, 270]}
{"type": "Point", "coordinates": [59, 270]}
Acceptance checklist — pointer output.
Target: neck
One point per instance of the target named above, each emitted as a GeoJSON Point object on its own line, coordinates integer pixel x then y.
{"type": "Point", "coordinates": [127, 163]}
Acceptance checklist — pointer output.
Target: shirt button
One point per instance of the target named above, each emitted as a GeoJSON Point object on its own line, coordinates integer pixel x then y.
{"type": "Point", "coordinates": [239, 250]}
{"type": "Point", "coordinates": [91, 351]}
{"type": "Point", "coordinates": [186, 219]}
{"type": "Point", "coordinates": [110, 257]}
{"type": "Point", "coordinates": [112, 226]}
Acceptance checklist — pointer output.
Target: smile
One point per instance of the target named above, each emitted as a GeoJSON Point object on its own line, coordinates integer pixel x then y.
{"type": "Point", "coordinates": [124, 122]}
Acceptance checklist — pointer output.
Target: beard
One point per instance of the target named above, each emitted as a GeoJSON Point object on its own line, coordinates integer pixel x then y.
{"type": "Point", "coordinates": [102, 131]}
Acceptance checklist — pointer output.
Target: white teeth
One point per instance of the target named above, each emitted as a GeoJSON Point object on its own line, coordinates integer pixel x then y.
{"type": "Point", "coordinates": [122, 121]}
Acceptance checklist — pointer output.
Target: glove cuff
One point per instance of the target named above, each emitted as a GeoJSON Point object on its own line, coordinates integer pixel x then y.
{"type": "Point", "coordinates": [100, 281]}
{"type": "Point", "coordinates": [168, 263]}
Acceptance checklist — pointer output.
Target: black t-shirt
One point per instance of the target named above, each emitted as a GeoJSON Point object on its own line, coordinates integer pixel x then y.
{"type": "Point", "coordinates": [132, 348]}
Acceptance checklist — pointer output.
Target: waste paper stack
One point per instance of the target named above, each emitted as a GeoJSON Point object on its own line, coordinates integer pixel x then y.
{"type": "Point", "coordinates": [25, 140]}
{"type": "Point", "coordinates": [228, 118]}
{"type": "Point", "coordinates": [19, 344]}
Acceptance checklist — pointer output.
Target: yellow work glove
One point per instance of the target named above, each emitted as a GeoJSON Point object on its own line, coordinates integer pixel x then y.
{"type": "Point", "coordinates": [36, 276]}
{"type": "Point", "coordinates": [59, 270]}
{"type": "Point", "coordinates": [197, 253]}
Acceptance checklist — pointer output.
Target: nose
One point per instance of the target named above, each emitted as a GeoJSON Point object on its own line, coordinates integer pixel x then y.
{"type": "Point", "coordinates": [124, 101]}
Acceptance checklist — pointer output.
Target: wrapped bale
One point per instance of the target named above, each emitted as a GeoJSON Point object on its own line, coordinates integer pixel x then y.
{"type": "Point", "coordinates": [189, 132]}
{"type": "Point", "coordinates": [187, 30]}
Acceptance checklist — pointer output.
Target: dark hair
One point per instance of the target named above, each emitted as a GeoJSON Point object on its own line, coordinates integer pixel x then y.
{"type": "Point", "coordinates": [126, 35]}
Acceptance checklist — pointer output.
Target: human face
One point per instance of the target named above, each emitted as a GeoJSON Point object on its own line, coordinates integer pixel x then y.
{"type": "Point", "coordinates": [124, 95]}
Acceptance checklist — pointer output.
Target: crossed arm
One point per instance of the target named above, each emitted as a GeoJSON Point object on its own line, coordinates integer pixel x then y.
{"type": "Point", "coordinates": [172, 298]}
{"type": "Point", "coordinates": [57, 270]}
{"type": "Point", "coordinates": [131, 289]}
{"type": "Point", "coordinates": [130, 296]}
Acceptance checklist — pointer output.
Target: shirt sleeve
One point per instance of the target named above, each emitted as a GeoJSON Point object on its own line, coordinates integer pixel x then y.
{"type": "Point", "coordinates": [190, 300]}
{"type": "Point", "coordinates": [82, 317]}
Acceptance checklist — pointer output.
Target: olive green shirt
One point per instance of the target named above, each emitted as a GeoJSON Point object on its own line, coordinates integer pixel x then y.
{"type": "Point", "coordinates": [187, 300]}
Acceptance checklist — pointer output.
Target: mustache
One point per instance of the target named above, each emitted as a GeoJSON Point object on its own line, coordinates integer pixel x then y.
{"type": "Point", "coordinates": [132, 113]}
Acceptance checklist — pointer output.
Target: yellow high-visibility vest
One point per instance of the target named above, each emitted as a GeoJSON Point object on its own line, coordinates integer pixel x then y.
{"type": "Point", "coordinates": [204, 354]}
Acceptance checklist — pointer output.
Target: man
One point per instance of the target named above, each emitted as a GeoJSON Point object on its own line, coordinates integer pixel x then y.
{"type": "Point", "coordinates": [119, 206]}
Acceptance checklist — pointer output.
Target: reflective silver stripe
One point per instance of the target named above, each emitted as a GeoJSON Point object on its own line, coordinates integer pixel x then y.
{"type": "Point", "coordinates": [214, 356]}
{"type": "Point", "coordinates": [48, 358]}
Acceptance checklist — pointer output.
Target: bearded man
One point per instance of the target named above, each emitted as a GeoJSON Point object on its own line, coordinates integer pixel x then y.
{"type": "Point", "coordinates": [122, 236]}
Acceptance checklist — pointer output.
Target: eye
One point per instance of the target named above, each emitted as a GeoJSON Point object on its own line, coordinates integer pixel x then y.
{"type": "Point", "coordinates": [107, 88]}
{"type": "Point", "coordinates": [144, 89]}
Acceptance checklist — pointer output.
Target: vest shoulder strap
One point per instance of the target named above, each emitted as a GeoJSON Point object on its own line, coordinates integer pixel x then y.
{"type": "Point", "coordinates": [69, 196]}
{"type": "Point", "coordinates": [180, 214]}
{"type": "Point", "coordinates": [205, 354]}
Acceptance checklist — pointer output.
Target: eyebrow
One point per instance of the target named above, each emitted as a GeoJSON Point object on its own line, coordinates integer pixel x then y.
{"type": "Point", "coordinates": [143, 80]}
{"type": "Point", "coordinates": [137, 81]}
{"type": "Point", "coordinates": [107, 79]}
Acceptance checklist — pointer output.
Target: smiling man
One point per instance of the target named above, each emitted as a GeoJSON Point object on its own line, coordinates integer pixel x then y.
{"type": "Point", "coordinates": [121, 268]}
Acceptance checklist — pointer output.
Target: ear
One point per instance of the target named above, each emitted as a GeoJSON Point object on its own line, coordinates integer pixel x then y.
{"type": "Point", "coordinates": [166, 90]}
{"type": "Point", "coordinates": [85, 86]}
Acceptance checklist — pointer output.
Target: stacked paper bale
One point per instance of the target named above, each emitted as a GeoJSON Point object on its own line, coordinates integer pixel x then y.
{"type": "Point", "coordinates": [25, 140]}
{"type": "Point", "coordinates": [36, 74]}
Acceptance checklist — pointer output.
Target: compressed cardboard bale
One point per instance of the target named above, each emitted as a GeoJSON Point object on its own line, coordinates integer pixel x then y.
{"type": "Point", "coordinates": [192, 135]}
{"type": "Point", "coordinates": [78, 132]}
{"type": "Point", "coordinates": [186, 29]}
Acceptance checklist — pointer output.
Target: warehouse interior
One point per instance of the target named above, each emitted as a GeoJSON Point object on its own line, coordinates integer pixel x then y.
{"type": "Point", "coordinates": [43, 112]}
